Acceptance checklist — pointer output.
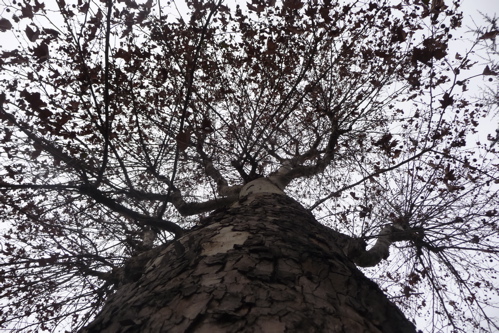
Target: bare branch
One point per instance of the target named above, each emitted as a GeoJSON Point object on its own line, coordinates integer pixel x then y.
{"type": "Point", "coordinates": [374, 174]}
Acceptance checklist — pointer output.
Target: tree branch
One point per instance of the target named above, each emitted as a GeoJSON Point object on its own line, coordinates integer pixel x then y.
{"type": "Point", "coordinates": [189, 84]}
{"type": "Point", "coordinates": [193, 208]}
{"type": "Point", "coordinates": [99, 197]}
{"type": "Point", "coordinates": [374, 174]}
{"type": "Point", "coordinates": [107, 120]}
{"type": "Point", "coordinates": [46, 145]}
{"type": "Point", "coordinates": [223, 187]}
{"type": "Point", "coordinates": [380, 250]}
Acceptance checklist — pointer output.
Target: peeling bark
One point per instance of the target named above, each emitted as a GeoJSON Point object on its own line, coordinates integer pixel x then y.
{"type": "Point", "coordinates": [262, 265]}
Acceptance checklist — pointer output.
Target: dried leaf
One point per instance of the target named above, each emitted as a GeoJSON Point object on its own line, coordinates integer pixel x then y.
{"type": "Point", "coordinates": [33, 99]}
{"type": "Point", "coordinates": [44, 114]}
{"type": "Point", "coordinates": [206, 126]}
{"type": "Point", "coordinates": [432, 49]}
{"type": "Point", "coordinates": [5, 25]}
{"type": "Point", "coordinates": [27, 11]}
{"type": "Point", "coordinates": [490, 35]}
{"type": "Point", "coordinates": [10, 171]}
{"type": "Point", "coordinates": [399, 34]}
{"type": "Point", "coordinates": [384, 141]}
{"type": "Point", "coordinates": [447, 100]}
{"type": "Point", "coordinates": [32, 34]}
{"type": "Point", "coordinates": [41, 52]}
{"type": "Point", "coordinates": [488, 71]}
{"type": "Point", "coordinates": [125, 55]}
{"type": "Point", "coordinates": [422, 55]}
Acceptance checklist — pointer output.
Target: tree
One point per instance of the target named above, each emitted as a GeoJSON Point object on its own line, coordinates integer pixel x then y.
{"type": "Point", "coordinates": [154, 156]}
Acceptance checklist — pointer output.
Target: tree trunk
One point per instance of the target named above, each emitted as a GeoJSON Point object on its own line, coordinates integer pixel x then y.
{"type": "Point", "coordinates": [262, 265]}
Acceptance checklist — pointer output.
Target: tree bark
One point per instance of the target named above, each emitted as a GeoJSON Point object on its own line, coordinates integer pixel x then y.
{"type": "Point", "coordinates": [263, 264]}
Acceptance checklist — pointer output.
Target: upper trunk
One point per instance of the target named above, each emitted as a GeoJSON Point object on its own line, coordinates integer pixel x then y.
{"type": "Point", "coordinates": [262, 265]}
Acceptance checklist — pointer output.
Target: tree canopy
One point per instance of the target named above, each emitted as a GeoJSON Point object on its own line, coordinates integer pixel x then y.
{"type": "Point", "coordinates": [124, 123]}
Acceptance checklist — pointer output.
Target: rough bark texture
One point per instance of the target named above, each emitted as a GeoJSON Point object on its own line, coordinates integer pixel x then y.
{"type": "Point", "coordinates": [262, 265]}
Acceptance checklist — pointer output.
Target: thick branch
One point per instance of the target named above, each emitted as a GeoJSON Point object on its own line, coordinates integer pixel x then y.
{"type": "Point", "coordinates": [193, 208]}
{"type": "Point", "coordinates": [99, 197]}
{"type": "Point", "coordinates": [223, 187]}
{"type": "Point", "coordinates": [379, 251]}
{"type": "Point", "coordinates": [388, 235]}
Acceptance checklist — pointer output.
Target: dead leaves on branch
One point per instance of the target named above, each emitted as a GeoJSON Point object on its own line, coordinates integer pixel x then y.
{"type": "Point", "coordinates": [387, 144]}
{"type": "Point", "coordinates": [488, 71]}
{"type": "Point", "coordinates": [432, 49]}
{"type": "Point", "coordinates": [34, 100]}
